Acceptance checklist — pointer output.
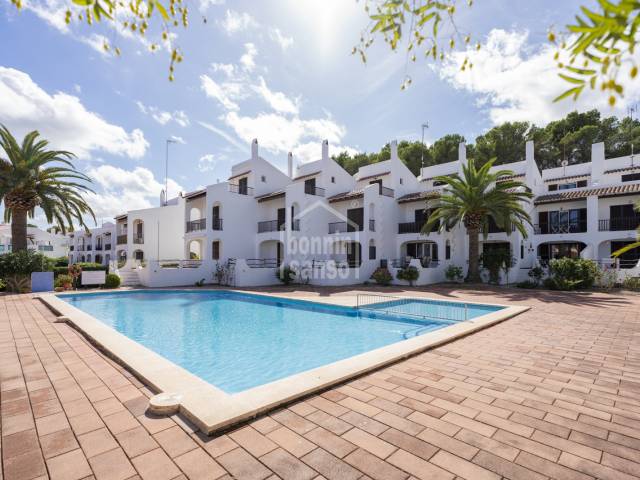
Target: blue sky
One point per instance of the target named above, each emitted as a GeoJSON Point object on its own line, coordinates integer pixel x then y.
{"type": "Point", "coordinates": [280, 71]}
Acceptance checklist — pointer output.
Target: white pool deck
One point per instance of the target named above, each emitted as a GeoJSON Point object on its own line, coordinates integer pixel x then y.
{"type": "Point", "coordinates": [212, 409]}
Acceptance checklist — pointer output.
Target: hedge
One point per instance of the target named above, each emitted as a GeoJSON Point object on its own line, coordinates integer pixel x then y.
{"type": "Point", "coordinates": [88, 267]}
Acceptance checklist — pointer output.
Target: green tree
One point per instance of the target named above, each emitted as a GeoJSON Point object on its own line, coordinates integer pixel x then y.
{"type": "Point", "coordinates": [591, 53]}
{"type": "Point", "coordinates": [505, 143]}
{"type": "Point", "coordinates": [472, 200]}
{"type": "Point", "coordinates": [445, 149]}
{"type": "Point", "coordinates": [32, 176]}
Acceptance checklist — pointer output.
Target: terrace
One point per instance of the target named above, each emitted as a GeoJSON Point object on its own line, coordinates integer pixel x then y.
{"type": "Point", "coordinates": [549, 393]}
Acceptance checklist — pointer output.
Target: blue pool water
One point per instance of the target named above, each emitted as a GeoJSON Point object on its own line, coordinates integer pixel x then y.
{"type": "Point", "coordinates": [237, 341]}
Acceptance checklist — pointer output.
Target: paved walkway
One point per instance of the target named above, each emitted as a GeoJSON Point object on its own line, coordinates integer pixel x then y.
{"type": "Point", "coordinates": [553, 393]}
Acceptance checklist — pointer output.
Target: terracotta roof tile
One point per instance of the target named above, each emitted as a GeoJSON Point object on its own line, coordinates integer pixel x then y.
{"type": "Point", "coordinates": [195, 194]}
{"type": "Point", "coordinates": [270, 196]}
{"type": "Point", "coordinates": [374, 176]}
{"type": "Point", "coordinates": [565, 195]}
{"type": "Point", "coordinates": [340, 197]}
{"type": "Point", "coordinates": [308, 175]}
{"type": "Point", "coordinates": [239, 175]}
{"type": "Point", "coordinates": [625, 169]}
{"type": "Point", "coordinates": [570, 177]}
{"type": "Point", "coordinates": [417, 196]}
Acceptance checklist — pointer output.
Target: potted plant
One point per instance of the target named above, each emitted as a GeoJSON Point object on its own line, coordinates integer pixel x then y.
{"type": "Point", "coordinates": [409, 274]}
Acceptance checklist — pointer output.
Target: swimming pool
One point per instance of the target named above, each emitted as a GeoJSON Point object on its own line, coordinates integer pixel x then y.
{"type": "Point", "coordinates": [237, 341]}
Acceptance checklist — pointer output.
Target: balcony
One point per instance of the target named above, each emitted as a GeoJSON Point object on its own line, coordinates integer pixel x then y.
{"type": "Point", "coordinates": [89, 247]}
{"type": "Point", "coordinates": [107, 246]}
{"type": "Point", "coordinates": [493, 228]}
{"type": "Point", "coordinates": [81, 248]}
{"type": "Point", "coordinates": [196, 225]}
{"type": "Point", "coordinates": [240, 189]}
{"type": "Point", "coordinates": [99, 248]}
{"type": "Point", "coordinates": [216, 224]}
{"type": "Point", "coordinates": [262, 262]}
{"type": "Point", "coordinates": [311, 190]}
{"type": "Point", "coordinates": [338, 227]}
{"type": "Point", "coordinates": [295, 225]}
{"type": "Point", "coordinates": [410, 227]}
{"type": "Point", "coordinates": [572, 227]}
{"type": "Point", "coordinates": [270, 226]}
{"type": "Point", "coordinates": [45, 248]}
{"type": "Point", "coordinates": [372, 225]}
{"type": "Point", "coordinates": [121, 239]}
{"type": "Point", "coordinates": [138, 239]}
{"type": "Point", "coordinates": [386, 191]}
{"type": "Point", "coordinates": [617, 224]}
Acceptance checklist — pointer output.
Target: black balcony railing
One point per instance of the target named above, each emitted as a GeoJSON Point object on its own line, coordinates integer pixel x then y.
{"type": "Point", "coordinates": [617, 224]}
{"type": "Point", "coordinates": [89, 248]}
{"type": "Point", "coordinates": [311, 190]}
{"type": "Point", "coordinates": [410, 227]}
{"type": "Point", "coordinates": [107, 246]}
{"type": "Point", "coordinates": [240, 189]}
{"type": "Point", "coordinates": [372, 225]}
{"type": "Point", "coordinates": [99, 247]}
{"type": "Point", "coordinates": [45, 248]}
{"type": "Point", "coordinates": [270, 226]}
{"type": "Point", "coordinates": [121, 239]}
{"type": "Point", "coordinates": [386, 191]}
{"type": "Point", "coordinates": [216, 224]}
{"type": "Point", "coordinates": [196, 225]}
{"type": "Point", "coordinates": [338, 227]}
{"type": "Point", "coordinates": [493, 228]}
{"type": "Point", "coordinates": [71, 248]}
{"type": "Point", "coordinates": [550, 229]}
{"type": "Point", "coordinates": [138, 239]}
{"type": "Point", "coordinates": [295, 225]}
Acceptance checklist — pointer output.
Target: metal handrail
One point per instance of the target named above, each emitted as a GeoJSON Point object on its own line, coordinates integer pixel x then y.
{"type": "Point", "coordinates": [311, 190]}
{"type": "Point", "coordinates": [216, 224]}
{"type": "Point", "coordinates": [270, 226]}
{"type": "Point", "coordinates": [241, 190]}
{"type": "Point", "coordinates": [618, 224]}
{"type": "Point", "coordinates": [138, 239]}
{"type": "Point", "coordinates": [121, 239]}
{"type": "Point", "coordinates": [409, 307]}
{"type": "Point", "coordinates": [372, 225]}
{"type": "Point", "coordinates": [569, 227]}
{"type": "Point", "coordinates": [262, 262]}
{"type": "Point", "coordinates": [338, 227]}
{"type": "Point", "coordinates": [196, 225]}
{"type": "Point", "coordinates": [386, 191]}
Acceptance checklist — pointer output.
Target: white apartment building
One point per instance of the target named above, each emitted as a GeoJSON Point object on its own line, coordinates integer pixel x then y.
{"type": "Point", "coordinates": [50, 244]}
{"type": "Point", "coordinates": [336, 229]}
{"type": "Point", "coordinates": [95, 245]}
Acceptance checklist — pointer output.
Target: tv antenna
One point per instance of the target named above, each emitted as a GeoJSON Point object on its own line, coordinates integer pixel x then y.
{"type": "Point", "coordinates": [564, 164]}
{"type": "Point", "coordinates": [632, 111]}
{"type": "Point", "coordinates": [424, 125]}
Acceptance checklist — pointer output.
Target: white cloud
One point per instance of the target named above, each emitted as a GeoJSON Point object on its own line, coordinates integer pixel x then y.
{"type": "Point", "coordinates": [62, 119]}
{"type": "Point", "coordinates": [277, 100]}
{"type": "Point", "coordinates": [205, 4]}
{"type": "Point", "coordinates": [278, 133]}
{"type": "Point", "coordinates": [248, 59]}
{"type": "Point", "coordinates": [207, 163]}
{"type": "Point", "coordinates": [163, 117]}
{"type": "Point", "coordinates": [227, 93]}
{"type": "Point", "coordinates": [278, 37]}
{"type": "Point", "coordinates": [229, 69]}
{"type": "Point", "coordinates": [223, 134]}
{"type": "Point", "coordinates": [122, 190]}
{"type": "Point", "coordinates": [234, 22]}
{"type": "Point", "coordinates": [515, 82]}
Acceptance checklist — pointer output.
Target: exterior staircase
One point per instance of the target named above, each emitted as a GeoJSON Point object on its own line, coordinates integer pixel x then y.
{"type": "Point", "coordinates": [129, 278]}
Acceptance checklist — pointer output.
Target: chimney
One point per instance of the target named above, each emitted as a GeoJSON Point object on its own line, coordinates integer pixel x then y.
{"type": "Point", "coordinates": [597, 161]}
{"type": "Point", "coordinates": [394, 149]}
{"type": "Point", "coordinates": [254, 149]}
{"type": "Point", "coordinates": [290, 164]}
{"type": "Point", "coordinates": [462, 152]}
{"type": "Point", "coordinates": [325, 150]}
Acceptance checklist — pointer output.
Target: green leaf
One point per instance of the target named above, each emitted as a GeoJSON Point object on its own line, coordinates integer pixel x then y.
{"type": "Point", "coordinates": [572, 91]}
{"type": "Point", "coordinates": [162, 10]}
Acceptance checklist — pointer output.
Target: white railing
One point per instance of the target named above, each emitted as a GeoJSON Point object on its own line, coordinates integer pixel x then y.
{"type": "Point", "coordinates": [178, 263]}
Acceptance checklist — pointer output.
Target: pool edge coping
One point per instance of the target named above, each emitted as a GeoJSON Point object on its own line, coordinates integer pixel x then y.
{"type": "Point", "coordinates": [212, 409]}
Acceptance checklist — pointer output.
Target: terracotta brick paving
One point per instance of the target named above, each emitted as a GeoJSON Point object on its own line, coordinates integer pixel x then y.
{"type": "Point", "coordinates": [553, 393]}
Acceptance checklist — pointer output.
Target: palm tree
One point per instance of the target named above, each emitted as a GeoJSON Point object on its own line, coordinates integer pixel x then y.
{"type": "Point", "coordinates": [475, 198]}
{"type": "Point", "coordinates": [32, 176]}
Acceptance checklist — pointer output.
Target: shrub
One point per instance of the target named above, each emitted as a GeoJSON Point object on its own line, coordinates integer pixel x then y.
{"type": "Point", "coordinates": [495, 261]}
{"type": "Point", "coordinates": [453, 273]}
{"type": "Point", "coordinates": [112, 281]}
{"type": "Point", "coordinates": [382, 276]}
{"type": "Point", "coordinates": [89, 267]}
{"type": "Point", "coordinates": [536, 274]}
{"type": "Point", "coordinates": [285, 274]}
{"type": "Point", "coordinates": [200, 283]}
{"type": "Point", "coordinates": [60, 262]}
{"type": "Point", "coordinates": [572, 274]}
{"type": "Point", "coordinates": [527, 284]}
{"type": "Point", "coordinates": [64, 281]}
{"type": "Point", "coordinates": [410, 274]}
{"type": "Point", "coordinates": [3, 285]}
{"type": "Point", "coordinates": [608, 278]}
{"type": "Point", "coordinates": [23, 262]}
{"type": "Point", "coordinates": [18, 283]}
{"type": "Point", "coordinates": [631, 283]}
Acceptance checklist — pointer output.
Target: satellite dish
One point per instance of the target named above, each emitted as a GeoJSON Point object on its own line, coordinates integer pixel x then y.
{"type": "Point", "coordinates": [564, 163]}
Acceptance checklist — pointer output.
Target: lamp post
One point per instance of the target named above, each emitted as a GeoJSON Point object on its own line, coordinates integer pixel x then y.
{"type": "Point", "coordinates": [166, 170]}
{"type": "Point", "coordinates": [424, 125]}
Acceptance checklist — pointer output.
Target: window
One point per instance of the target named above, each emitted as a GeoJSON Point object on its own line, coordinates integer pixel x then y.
{"type": "Point", "coordinates": [631, 177]}
{"type": "Point", "coordinates": [215, 250]}
{"type": "Point", "coordinates": [447, 250]}
{"type": "Point", "coordinates": [567, 186]}
{"type": "Point", "coordinates": [333, 179]}
{"type": "Point", "coordinates": [372, 252]}
{"type": "Point", "coordinates": [563, 221]}
{"type": "Point", "coordinates": [400, 181]}
{"type": "Point", "coordinates": [263, 178]}
{"type": "Point", "coordinates": [522, 250]}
